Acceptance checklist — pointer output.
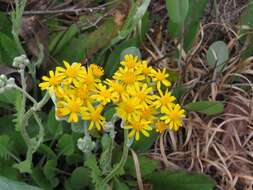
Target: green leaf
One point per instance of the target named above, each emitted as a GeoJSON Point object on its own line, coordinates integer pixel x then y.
{"type": "Point", "coordinates": [7, 184]}
{"type": "Point", "coordinates": [119, 185]}
{"type": "Point", "coordinates": [47, 151]}
{"type": "Point", "coordinates": [5, 146]}
{"type": "Point", "coordinates": [106, 155]}
{"type": "Point", "coordinates": [80, 178]}
{"type": "Point", "coordinates": [39, 177]}
{"type": "Point", "coordinates": [109, 112]}
{"type": "Point", "coordinates": [96, 173]}
{"type": "Point", "coordinates": [53, 126]}
{"type": "Point", "coordinates": [177, 10]}
{"type": "Point", "coordinates": [144, 143]}
{"type": "Point", "coordinates": [8, 49]}
{"type": "Point", "coordinates": [131, 50]}
{"type": "Point", "coordinates": [147, 166]}
{"type": "Point", "coordinates": [192, 21]}
{"type": "Point", "coordinates": [49, 171]}
{"type": "Point", "coordinates": [206, 107]}
{"type": "Point", "coordinates": [18, 109]}
{"type": "Point", "coordinates": [180, 181]}
{"type": "Point", "coordinates": [113, 61]}
{"type": "Point", "coordinates": [24, 166]}
{"type": "Point", "coordinates": [217, 55]}
{"type": "Point", "coordinates": [7, 170]}
{"type": "Point", "coordinates": [6, 27]}
{"type": "Point", "coordinates": [246, 18]}
{"type": "Point", "coordinates": [66, 144]}
{"type": "Point", "coordinates": [66, 38]}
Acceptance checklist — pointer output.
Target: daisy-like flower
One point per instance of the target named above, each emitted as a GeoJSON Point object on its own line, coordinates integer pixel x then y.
{"type": "Point", "coordinates": [73, 73]}
{"type": "Point", "coordinates": [97, 70]}
{"type": "Point", "coordinates": [146, 70]}
{"type": "Point", "coordinates": [89, 79]}
{"type": "Point", "coordinates": [138, 125]}
{"type": "Point", "coordinates": [128, 108]}
{"type": "Point", "coordinates": [93, 114]}
{"type": "Point", "coordinates": [128, 76]}
{"type": "Point", "coordinates": [164, 99]}
{"type": "Point", "coordinates": [173, 116]}
{"type": "Point", "coordinates": [84, 93]}
{"type": "Point", "coordinates": [142, 92]}
{"type": "Point", "coordinates": [160, 77]}
{"type": "Point", "coordinates": [52, 82]}
{"type": "Point", "coordinates": [102, 94]}
{"type": "Point", "coordinates": [160, 126]}
{"type": "Point", "coordinates": [117, 89]}
{"type": "Point", "coordinates": [129, 61]}
{"type": "Point", "coordinates": [71, 107]}
{"type": "Point", "coordinates": [148, 113]}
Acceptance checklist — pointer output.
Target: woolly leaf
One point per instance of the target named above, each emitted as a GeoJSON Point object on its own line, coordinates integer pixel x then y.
{"type": "Point", "coordinates": [7, 184]}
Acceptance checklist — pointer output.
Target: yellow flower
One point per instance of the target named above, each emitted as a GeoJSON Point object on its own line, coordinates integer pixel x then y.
{"type": "Point", "coordinates": [51, 83]}
{"type": "Point", "coordinates": [97, 70]}
{"type": "Point", "coordinates": [160, 77]}
{"type": "Point", "coordinates": [128, 76]}
{"type": "Point", "coordinates": [117, 89]}
{"type": "Point", "coordinates": [148, 113]}
{"type": "Point", "coordinates": [73, 73]}
{"type": "Point", "coordinates": [129, 61]}
{"type": "Point", "coordinates": [128, 108]}
{"type": "Point", "coordinates": [102, 94]}
{"type": "Point", "coordinates": [93, 114]}
{"type": "Point", "coordinates": [142, 92]}
{"type": "Point", "coordinates": [84, 93]}
{"type": "Point", "coordinates": [89, 79]}
{"type": "Point", "coordinates": [173, 117]}
{"type": "Point", "coordinates": [137, 126]}
{"type": "Point", "coordinates": [160, 126]}
{"type": "Point", "coordinates": [71, 106]}
{"type": "Point", "coordinates": [146, 70]}
{"type": "Point", "coordinates": [164, 99]}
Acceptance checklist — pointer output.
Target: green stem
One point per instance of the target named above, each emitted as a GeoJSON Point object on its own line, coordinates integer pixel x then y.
{"type": "Point", "coordinates": [26, 94]}
{"type": "Point", "coordinates": [121, 164]}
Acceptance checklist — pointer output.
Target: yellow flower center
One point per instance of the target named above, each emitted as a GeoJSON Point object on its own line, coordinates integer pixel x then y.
{"type": "Point", "coordinates": [146, 113]}
{"type": "Point", "coordinates": [160, 76]}
{"type": "Point", "coordinates": [129, 77]}
{"type": "Point", "coordinates": [165, 100]}
{"type": "Point", "coordinates": [142, 96]}
{"type": "Point", "coordinates": [128, 107]}
{"type": "Point", "coordinates": [105, 94]}
{"type": "Point", "coordinates": [71, 72]}
{"type": "Point", "coordinates": [174, 116]}
{"type": "Point", "coordinates": [54, 81]}
{"type": "Point", "coordinates": [160, 126]}
{"type": "Point", "coordinates": [74, 107]}
{"type": "Point", "coordinates": [95, 116]}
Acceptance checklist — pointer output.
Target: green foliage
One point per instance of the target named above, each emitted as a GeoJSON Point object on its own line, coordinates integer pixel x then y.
{"type": "Point", "coordinates": [217, 55]}
{"type": "Point", "coordinates": [66, 145]}
{"type": "Point", "coordinates": [49, 171]}
{"type": "Point", "coordinates": [144, 143]}
{"type": "Point", "coordinates": [7, 184]}
{"type": "Point", "coordinates": [180, 181]}
{"type": "Point", "coordinates": [147, 166]}
{"type": "Point", "coordinates": [119, 185]}
{"type": "Point", "coordinates": [80, 178]}
{"type": "Point", "coordinates": [177, 10]}
{"type": "Point", "coordinates": [206, 107]}
{"type": "Point", "coordinates": [5, 146]}
{"type": "Point", "coordinates": [24, 166]}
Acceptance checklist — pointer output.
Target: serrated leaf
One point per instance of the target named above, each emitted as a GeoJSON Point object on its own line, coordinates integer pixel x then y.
{"type": "Point", "coordinates": [96, 173]}
{"type": "Point", "coordinates": [106, 155]}
{"type": "Point", "coordinates": [80, 178]}
{"type": "Point", "coordinates": [206, 107]}
{"type": "Point", "coordinates": [66, 144]}
{"type": "Point", "coordinates": [4, 146]}
{"type": "Point", "coordinates": [18, 109]}
{"type": "Point", "coordinates": [217, 55]}
{"type": "Point", "coordinates": [119, 185]}
{"type": "Point", "coordinates": [24, 166]}
{"type": "Point", "coordinates": [177, 10]}
{"type": "Point", "coordinates": [180, 181]}
{"type": "Point", "coordinates": [7, 184]}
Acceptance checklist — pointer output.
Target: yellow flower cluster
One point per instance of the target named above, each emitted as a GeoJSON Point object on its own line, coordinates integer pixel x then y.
{"type": "Point", "coordinates": [136, 90]}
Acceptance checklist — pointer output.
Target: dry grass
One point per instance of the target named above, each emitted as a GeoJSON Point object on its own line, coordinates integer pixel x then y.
{"type": "Point", "coordinates": [220, 146]}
